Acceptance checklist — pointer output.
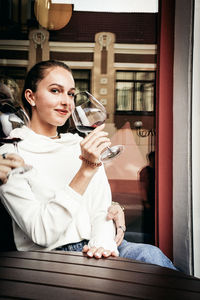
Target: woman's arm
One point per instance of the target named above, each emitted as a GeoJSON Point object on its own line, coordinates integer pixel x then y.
{"type": "Point", "coordinates": [116, 213]}
{"type": "Point", "coordinates": [46, 216]}
{"type": "Point", "coordinates": [91, 148]}
{"type": "Point", "coordinates": [102, 241]}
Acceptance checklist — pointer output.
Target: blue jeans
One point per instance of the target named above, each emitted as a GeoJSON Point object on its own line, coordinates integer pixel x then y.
{"type": "Point", "coordinates": [144, 252]}
{"type": "Point", "coordinates": [140, 252]}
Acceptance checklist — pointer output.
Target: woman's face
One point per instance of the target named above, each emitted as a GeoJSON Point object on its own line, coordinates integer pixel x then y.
{"type": "Point", "coordinates": [53, 101]}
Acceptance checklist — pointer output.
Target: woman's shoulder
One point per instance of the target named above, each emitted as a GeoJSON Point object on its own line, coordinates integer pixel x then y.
{"type": "Point", "coordinates": [20, 132]}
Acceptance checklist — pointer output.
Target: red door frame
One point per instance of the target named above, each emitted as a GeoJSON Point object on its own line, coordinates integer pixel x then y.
{"type": "Point", "coordinates": [164, 127]}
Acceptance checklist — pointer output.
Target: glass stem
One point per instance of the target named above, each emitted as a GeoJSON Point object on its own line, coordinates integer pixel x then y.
{"type": "Point", "coordinates": [16, 146]}
{"type": "Point", "coordinates": [109, 149]}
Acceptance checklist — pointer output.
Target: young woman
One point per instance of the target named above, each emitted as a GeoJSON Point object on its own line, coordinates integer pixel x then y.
{"type": "Point", "coordinates": [62, 202]}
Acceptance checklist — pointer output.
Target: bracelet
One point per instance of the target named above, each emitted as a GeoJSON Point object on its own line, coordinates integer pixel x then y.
{"type": "Point", "coordinates": [116, 203]}
{"type": "Point", "coordinates": [92, 164]}
{"type": "Point", "coordinates": [123, 228]}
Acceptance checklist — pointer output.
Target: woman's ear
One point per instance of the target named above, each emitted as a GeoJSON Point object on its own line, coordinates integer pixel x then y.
{"type": "Point", "coordinates": [29, 95]}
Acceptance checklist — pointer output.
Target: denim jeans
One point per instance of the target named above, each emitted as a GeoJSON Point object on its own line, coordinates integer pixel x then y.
{"type": "Point", "coordinates": [144, 252]}
{"type": "Point", "coordinates": [140, 252]}
{"type": "Point", "coordinates": [74, 246]}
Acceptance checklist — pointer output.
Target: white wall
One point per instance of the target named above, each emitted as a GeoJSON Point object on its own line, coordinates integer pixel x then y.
{"type": "Point", "coordinates": [116, 5]}
{"type": "Point", "coordinates": [196, 140]}
{"type": "Point", "coordinates": [182, 136]}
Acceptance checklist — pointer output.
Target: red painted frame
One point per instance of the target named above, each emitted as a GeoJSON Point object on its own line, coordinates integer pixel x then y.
{"type": "Point", "coordinates": [164, 127]}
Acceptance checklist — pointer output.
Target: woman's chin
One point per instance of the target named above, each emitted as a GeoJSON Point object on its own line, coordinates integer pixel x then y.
{"type": "Point", "coordinates": [60, 123]}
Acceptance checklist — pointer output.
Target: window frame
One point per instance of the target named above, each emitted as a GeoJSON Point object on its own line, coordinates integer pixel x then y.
{"type": "Point", "coordinates": [88, 80]}
{"type": "Point", "coordinates": [134, 112]}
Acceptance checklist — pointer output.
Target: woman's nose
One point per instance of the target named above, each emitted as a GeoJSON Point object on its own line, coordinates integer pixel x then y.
{"type": "Point", "coordinates": [68, 101]}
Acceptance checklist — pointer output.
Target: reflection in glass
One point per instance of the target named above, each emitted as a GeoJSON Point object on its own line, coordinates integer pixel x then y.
{"type": "Point", "coordinates": [135, 91]}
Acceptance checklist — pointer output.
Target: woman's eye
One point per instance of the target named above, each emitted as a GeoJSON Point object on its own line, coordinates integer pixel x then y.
{"type": "Point", "coordinates": [55, 91]}
{"type": "Point", "coordinates": [71, 94]}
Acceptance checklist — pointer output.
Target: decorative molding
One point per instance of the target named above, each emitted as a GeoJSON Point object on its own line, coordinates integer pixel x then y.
{"type": "Point", "coordinates": [79, 64]}
{"type": "Point", "coordinates": [71, 47]}
{"type": "Point", "coordinates": [133, 66]}
{"type": "Point", "coordinates": [14, 62]}
{"type": "Point", "coordinates": [38, 37]}
{"type": "Point", "coordinates": [104, 40]}
{"type": "Point", "coordinates": [103, 80]}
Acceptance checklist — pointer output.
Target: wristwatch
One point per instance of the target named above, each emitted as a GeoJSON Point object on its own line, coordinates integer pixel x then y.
{"type": "Point", "coordinates": [123, 228]}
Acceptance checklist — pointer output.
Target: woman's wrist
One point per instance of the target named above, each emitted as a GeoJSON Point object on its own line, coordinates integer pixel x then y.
{"type": "Point", "coordinates": [90, 163]}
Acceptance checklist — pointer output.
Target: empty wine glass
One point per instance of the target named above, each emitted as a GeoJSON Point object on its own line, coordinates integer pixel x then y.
{"type": "Point", "coordinates": [87, 115]}
{"type": "Point", "coordinates": [12, 117]}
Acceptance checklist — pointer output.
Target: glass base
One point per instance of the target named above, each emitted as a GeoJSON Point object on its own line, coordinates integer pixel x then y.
{"type": "Point", "coordinates": [111, 152]}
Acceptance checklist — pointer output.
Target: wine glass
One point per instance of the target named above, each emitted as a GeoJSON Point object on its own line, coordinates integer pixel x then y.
{"type": "Point", "coordinates": [87, 115]}
{"type": "Point", "coordinates": [12, 117]}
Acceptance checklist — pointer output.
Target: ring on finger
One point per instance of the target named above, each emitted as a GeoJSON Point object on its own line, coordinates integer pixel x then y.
{"type": "Point", "coordinates": [4, 155]}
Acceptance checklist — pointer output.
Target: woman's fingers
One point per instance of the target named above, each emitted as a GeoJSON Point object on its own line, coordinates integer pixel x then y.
{"type": "Point", "coordinates": [3, 176]}
{"type": "Point", "coordinates": [8, 162]}
{"type": "Point", "coordinates": [97, 252]}
{"type": "Point", "coordinates": [95, 131]}
{"type": "Point", "coordinates": [94, 144]}
{"type": "Point", "coordinates": [15, 157]}
{"type": "Point", "coordinates": [16, 160]}
{"type": "Point", "coordinates": [85, 249]}
{"type": "Point", "coordinates": [11, 160]}
{"type": "Point", "coordinates": [95, 141]}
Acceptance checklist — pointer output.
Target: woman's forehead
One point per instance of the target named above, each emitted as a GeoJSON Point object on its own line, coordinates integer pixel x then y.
{"type": "Point", "coordinates": [58, 75]}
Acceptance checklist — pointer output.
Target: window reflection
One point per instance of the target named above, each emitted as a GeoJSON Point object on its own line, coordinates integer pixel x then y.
{"type": "Point", "coordinates": [135, 91]}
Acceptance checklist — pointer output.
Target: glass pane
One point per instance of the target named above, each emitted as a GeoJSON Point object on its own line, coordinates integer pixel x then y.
{"type": "Point", "coordinates": [145, 76]}
{"type": "Point", "coordinates": [144, 97]}
{"type": "Point", "coordinates": [148, 97]}
{"type": "Point", "coordinates": [82, 80]}
{"type": "Point", "coordinates": [132, 178]}
{"type": "Point", "coordinates": [81, 85]}
{"type": "Point", "coordinates": [124, 96]}
{"type": "Point", "coordinates": [125, 75]}
{"type": "Point", "coordinates": [137, 106]}
{"type": "Point", "coordinates": [81, 74]}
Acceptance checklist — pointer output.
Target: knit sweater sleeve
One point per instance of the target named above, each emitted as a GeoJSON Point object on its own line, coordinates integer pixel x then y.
{"type": "Point", "coordinates": [41, 213]}
{"type": "Point", "coordinates": [102, 230]}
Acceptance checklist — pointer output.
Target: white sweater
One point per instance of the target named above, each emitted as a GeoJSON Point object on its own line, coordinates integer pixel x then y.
{"type": "Point", "coordinates": [46, 212]}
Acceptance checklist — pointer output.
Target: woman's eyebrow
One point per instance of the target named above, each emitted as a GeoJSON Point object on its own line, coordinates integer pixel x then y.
{"type": "Point", "coordinates": [56, 84]}
{"type": "Point", "coordinates": [72, 89]}
{"type": "Point", "coordinates": [61, 86]}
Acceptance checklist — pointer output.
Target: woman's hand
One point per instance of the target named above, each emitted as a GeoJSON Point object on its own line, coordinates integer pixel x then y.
{"type": "Point", "coordinates": [98, 252]}
{"type": "Point", "coordinates": [93, 145]}
{"type": "Point", "coordinates": [91, 148]}
{"type": "Point", "coordinates": [8, 162]}
{"type": "Point", "coordinates": [116, 214]}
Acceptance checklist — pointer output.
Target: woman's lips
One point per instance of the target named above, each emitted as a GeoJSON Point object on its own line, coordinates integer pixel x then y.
{"type": "Point", "coordinates": [62, 111]}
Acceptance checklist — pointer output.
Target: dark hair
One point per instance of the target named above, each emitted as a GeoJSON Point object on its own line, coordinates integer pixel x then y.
{"type": "Point", "coordinates": [35, 75]}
